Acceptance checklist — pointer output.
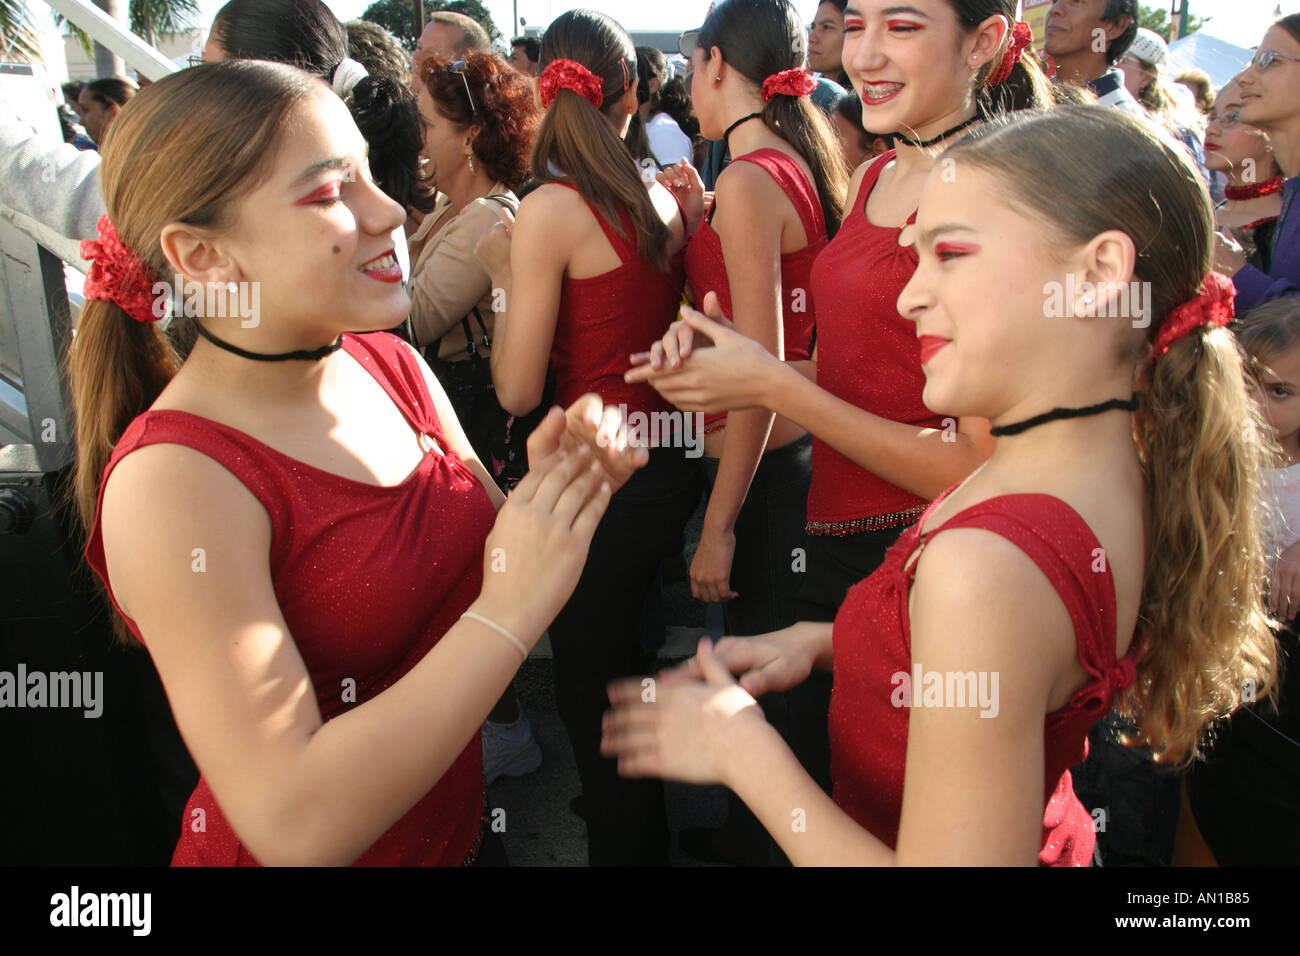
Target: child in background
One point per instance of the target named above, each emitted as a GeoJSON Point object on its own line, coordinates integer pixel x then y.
{"type": "Point", "coordinates": [1242, 803]}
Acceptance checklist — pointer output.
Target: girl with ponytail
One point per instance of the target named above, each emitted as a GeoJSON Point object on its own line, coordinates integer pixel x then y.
{"type": "Point", "coordinates": [591, 268]}
{"type": "Point", "coordinates": [1051, 582]}
{"type": "Point", "coordinates": [291, 520]}
{"type": "Point", "coordinates": [775, 205]}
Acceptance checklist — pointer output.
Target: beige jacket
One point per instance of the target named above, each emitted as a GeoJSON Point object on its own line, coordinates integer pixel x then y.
{"type": "Point", "coordinates": [447, 281]}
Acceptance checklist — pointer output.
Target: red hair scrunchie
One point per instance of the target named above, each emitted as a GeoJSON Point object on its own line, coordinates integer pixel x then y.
{"type": "Point", "coordinates": [1212, 306]}
{"type": "Point", "coordinates": [1021, 36]}
{"type": "Point", "coordinates": [570, 75]}
{"type": "Point", "coordinates": [793, 82]}
{"type": "Point", "coordinates": [118, 275]}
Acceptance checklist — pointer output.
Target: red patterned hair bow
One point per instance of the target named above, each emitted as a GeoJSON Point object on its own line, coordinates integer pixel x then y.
{"type": "Point", "coordinates": [794, 82]}
{"type": "Point", "coordinates": [1021, 36]}
{"type": "Point", "coordinates": [118, 275]}
{"type": "Point", "coordinates": [570, 75]}
{"type": "Point", "coordinates": [1212, 306]}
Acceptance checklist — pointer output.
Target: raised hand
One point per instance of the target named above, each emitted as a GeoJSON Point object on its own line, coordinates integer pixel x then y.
{"type": "Point", "coordinates": [683, 181]}
{"type": "Point", "coordinates": [589, 423]}
{"type": "Point", "coordinates": [732, 374]}
{"type": "Point", "coordinates": [493, 248]}
{"type": "Point", "coordinates": [680, 730]}
{"type": "Point", "coordinates": [764, 663]}
{"type": "Point", "coordinates": [538, 546]}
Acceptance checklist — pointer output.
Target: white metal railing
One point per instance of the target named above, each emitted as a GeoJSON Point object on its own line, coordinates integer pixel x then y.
{"type": "Point", "coordinates": [107, 32]}
{"type": "Point", "coordinates": [35, 322]}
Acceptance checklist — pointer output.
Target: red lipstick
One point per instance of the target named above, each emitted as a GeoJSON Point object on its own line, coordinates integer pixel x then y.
{"type": "Point", "coordinates": [930, 344]}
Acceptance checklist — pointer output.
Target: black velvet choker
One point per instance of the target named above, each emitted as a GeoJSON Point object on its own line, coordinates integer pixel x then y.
{"type": "Point", "coordinates": [726, 137]}
{"type": "Point", "coordinates": [927, 143]}
{"type": "Point", "coordinates": [308, 355]}
{"type": "Point", "coordinates": [1129, 405]}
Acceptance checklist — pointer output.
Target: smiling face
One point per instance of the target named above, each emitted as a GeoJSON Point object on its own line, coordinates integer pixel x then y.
{"type": "Point", "coordinates": [316, 234]}
{"type": "Point", "coordinates": [913, 66]}
{"type": "Point", "coordinates": [1004, 355]}
{"type": "Point", "coordinates": [1268, 97]}
{"type": "Point", "coordinates": [1231, 145]}
{"type": "Point", "coordinates": [826, 40]}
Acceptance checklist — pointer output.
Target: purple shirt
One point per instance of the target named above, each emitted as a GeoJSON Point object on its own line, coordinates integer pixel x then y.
{"type": "Point", "coordinates": [1254, 286]}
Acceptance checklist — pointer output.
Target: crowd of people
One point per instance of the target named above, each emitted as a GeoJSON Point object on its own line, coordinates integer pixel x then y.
{"type": "Point", "coordinates": [986, 383]}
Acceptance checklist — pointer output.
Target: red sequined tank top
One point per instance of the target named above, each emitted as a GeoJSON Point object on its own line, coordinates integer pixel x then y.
{"type": "Point", "coordinates": [707, 271]}
{"type": "Point", "coordinates": [368, 579]}
{"type": "Point", "coordinates": [605, 318]}
{"type": "Point", "coordinates": [872, 644]}
{"type": "Point", "coordinates": [868, 355]}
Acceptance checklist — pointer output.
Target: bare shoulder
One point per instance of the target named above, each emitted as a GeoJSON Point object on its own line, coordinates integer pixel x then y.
{"type": "Point", "coordinates": [986, 605]}
{"type": "Point", "coordinates": [746, 183]}
{"type": "Point", "coordinates": [165, 508]}
{"type": "Point", "coordinates": [551, 199]}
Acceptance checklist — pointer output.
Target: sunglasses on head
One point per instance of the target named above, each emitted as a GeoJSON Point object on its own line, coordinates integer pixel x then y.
{"type": "Point", "coordinates": [459, 68]}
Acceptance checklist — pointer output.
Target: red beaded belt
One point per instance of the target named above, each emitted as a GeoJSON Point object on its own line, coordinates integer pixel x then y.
{"type": "Point", "coordinates": [871, 523]}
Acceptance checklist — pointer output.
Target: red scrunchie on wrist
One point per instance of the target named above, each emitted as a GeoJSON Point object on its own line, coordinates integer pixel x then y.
{"type": "Point", "coordinates": [1212, 306]}
{"type": "Point", "coordinates": [1021, 36]}
{"type": "Point", "coordinates": [794, 82]}
{"type": "Point", "coordinates": [570, 75]}
{"type": "Point", "coordinates": [118, 275]}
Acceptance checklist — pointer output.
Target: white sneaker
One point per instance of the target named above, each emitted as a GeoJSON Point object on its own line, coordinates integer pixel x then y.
{"type": "Point", "coordinates": [509, 750]}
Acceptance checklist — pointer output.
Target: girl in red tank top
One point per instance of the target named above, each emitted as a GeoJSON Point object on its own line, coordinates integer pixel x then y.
{"type": "Point", "coordinates": [297, 531]}
{"type": "Point", "coordinates": [774, 207]}
{"type": "Point", "coordinates": [969, 667]}
{"type": "Point", "coordinates": [592, 264]}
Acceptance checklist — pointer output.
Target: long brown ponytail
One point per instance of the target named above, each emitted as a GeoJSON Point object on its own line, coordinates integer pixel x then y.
{"type": "Point", "coordinates": [1205, 639]}
{"type": "Point", "coordinates": [182, 150]}
{"type": "Point", "coordinates": [577, 143]}
{"type": "Point", "coordinates": [760, 38]}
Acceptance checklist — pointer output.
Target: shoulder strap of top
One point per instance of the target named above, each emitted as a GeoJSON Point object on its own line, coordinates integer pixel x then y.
{"type": "Point", "coordinates": [869, 180]}
{"type": "Point", "coordinates": [390, 361]}
{"type": "Point", "coordinates": [1057, 539]}
{"type": "Point", "coordinates": [621, 246]}
{"type": "Point", "coordinates": [790, 177]}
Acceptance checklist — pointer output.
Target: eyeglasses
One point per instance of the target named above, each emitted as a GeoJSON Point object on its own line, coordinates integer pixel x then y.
{"type": "Point", "coordinates": [195, 59]}
{"type": "Point", "coordinates": [1266, 58]}
{"type": "Point", "coordinates": [1139, 64]}
{"type": "Point", "coordinates": [459, 69]}
{"type": "Point", "coordinates": [1226, 120]}
{"type": "Point", "coordinates": [687, 43]}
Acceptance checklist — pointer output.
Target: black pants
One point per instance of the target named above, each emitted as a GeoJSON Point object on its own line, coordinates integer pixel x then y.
{"type": "Point", "coordinates": [768, 567]}
{"type": "Point", "coordinates": [597, 637]}
{"type": "Point", "coordinates": [766, 571]}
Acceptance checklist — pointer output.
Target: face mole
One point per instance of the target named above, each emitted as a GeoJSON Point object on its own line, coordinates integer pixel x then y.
{"type": "Point", "coordinates": [336, 250]}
